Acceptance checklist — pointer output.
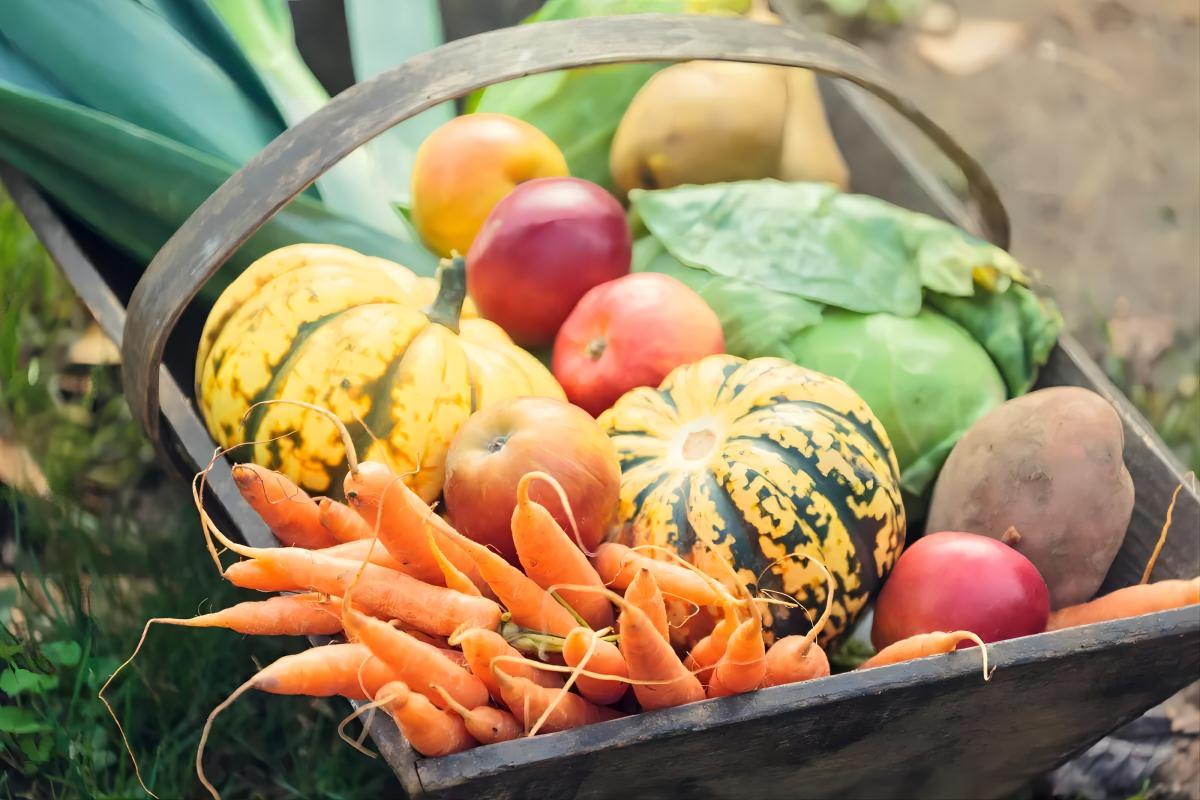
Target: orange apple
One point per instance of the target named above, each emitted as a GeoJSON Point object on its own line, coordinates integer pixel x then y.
{"type": "Point", "coordinates": [498, 445]}
{"type": "Point", "coordinates": [631, 332]}
{"type": "Point", "coordinates": [468, 165]}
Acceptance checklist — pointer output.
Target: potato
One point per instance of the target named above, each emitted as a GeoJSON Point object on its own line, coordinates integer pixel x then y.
{"type": "Point", "coordinates": [1049, 465]}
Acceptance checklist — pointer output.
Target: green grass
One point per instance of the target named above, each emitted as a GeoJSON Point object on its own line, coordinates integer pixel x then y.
{"type": "Point", "coordinates": [116, 542]}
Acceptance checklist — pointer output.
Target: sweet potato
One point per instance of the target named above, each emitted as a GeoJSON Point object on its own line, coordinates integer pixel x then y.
{"type": "Point", "coordinates": [1048, 466]}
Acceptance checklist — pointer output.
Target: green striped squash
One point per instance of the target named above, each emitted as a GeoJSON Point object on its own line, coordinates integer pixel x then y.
{"type": "Point", "coordinates": [753, 462]}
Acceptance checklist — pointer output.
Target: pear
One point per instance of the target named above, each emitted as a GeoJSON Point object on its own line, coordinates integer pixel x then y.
{"type": "Point", "coordinates": [714, 121]}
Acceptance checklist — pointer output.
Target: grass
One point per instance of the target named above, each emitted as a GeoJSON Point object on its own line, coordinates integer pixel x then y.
{"type": "Point", "coordinates": [115, 542]}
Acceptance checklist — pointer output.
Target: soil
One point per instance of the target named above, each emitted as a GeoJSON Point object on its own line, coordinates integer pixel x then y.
{"type": "Point", "coordinates": [1091, 128]}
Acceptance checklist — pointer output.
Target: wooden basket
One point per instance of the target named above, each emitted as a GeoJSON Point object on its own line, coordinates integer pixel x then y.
{"type": "Point", "coordinates": [930, 728]}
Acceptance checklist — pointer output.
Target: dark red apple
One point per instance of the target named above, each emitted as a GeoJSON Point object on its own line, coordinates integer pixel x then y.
{"type": "Point", "coordinates": [540, 249]}
{"type": "Point", "coordinates": [953, 581]}
{"type": "Point", "coordinates": [631, 332]}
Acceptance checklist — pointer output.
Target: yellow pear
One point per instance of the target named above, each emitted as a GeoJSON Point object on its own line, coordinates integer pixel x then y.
{"type": "Point", "coordinates": [713, 121]}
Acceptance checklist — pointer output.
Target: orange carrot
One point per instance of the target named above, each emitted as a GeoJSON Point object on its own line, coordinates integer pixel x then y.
{"type": "Point", "coordinates": [481, 647]}
{"type": "Point", "coordinates": [707, 652]}
{"type": "Point", "coordinates": [659, 678]}
{"type": "Point", "coordinates": [529, 702]}
{"type": "Point", "coordinates": [420, 665]}
{"type": "Point", "coordinates": [486, 724]}
{"type": "Point", "coordinates": [342, 521]}
{"type": "Point", "coordinates": [643, 592]}
{"type": "Point", "coordinates": [287, 509]}
{"type": "Point", "coordinates": [362, 550]}
{"type": "Point", "coordinates": [605, 659]}
{"type": "Point", "coordinates": [550, 557]}
{"type": "Point", "coordinates": [743, 665]}
{"type": "Point", "coordinates": [925, 644]}
{"type": "Point", "coordinates": [336, 669]}
{"type": "Point", "coordinates": [530, 605]}
{"type": "Point", "coordinates": [431, 731]}
{"type": "Point", "coordinates": [402, 517]}
{"type": "Point", "coordinates": [382, 592]}
{"type": "Point", "coordinates": [1132, 601]}
{"type": "Point", "coordinates": [618, 565]}
{"type": "Point", "coordinates": [793, 659]}
{"type": "Point", "coordinates": [452, 575]}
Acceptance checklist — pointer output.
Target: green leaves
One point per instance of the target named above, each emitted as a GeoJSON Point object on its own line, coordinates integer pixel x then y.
{"type": "Point", "coordinates": [19, 720]}
{"type": "Point", "coordinates": [15, 681]}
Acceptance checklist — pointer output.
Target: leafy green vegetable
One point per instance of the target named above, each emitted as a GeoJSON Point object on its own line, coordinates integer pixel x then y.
{"type": "Point", "coordinates": [384, 35]}
{"type": "Point", "coordinates": [126, 60]}
{"type": "Point", "coordinates": [810, 240]}
{"type": "Point", "coordinates": [137, 188]}
{"type": "Point", "coordinates": [1016, 327]}
{"type": "Point", "coordinates": [580, 109]}
{"type": "Point", "coordinates": [925, 378]}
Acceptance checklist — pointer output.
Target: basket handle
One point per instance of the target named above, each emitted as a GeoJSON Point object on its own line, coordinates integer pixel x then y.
{"type": "Point", "coordinates": [300, 155]}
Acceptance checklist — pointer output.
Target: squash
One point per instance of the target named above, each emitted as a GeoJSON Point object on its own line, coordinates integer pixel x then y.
{"type": "Point", "coordinates": [327, 326]}
{"type": "Point", "coordinates": [750, 461]}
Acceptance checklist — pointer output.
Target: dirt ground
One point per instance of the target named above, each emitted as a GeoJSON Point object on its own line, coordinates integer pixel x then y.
{"type": "Point", "coordinates": [1090, 125]}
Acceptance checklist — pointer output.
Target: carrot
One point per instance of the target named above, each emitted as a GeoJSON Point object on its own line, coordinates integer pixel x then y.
{"type": "Point", "coordinates": [420, 665]}
{"type": "Point", "coordinates": [529, 605]}
{"type": "Point", "coordinates": [382, 592]}
{"type": "Point", "coordinates": [529, 701]}
{"type": "Point", "coordinates": [431, 731]}
{"type": "Point", "coordinates": [925, 644]}
{"type": "Point", "coordinates": [743, 665]}
{"type": "Point", "coordinates": [799, 658]}
{"type": "Point", "coordinates": [659, 678]}
{"type": "Point", "coordinates": [550, 557]}
{"type": "Point", "coordinates": [362, 550]}
{"type": "Point", "coordinates": [618, 565]}
{"type": "Point", "coordinates": [343, 522]}
{"type": "Point", "coordinates": [452, 575]}
{"type": "Point", "coordinates": [1132, 601]}
{"type": "Point", "coordinates": [643, 592]}
{"type": "Point", "coordinates": [708, 651]}
{"type": "Point", "coordinates": [481, 647]}
{"type": "Point", "coordinates": [402, 519]}
{"type": "Point", "coordinates": [287, 509]}
{"type": "Point", "coordinates": [336, 669]}
{"type": "Point", "coordinates": [793, 659]}
{"type": "Point", "coordinates": [584, 648]}
{"type": "Point", "coordinates": [486, 724]}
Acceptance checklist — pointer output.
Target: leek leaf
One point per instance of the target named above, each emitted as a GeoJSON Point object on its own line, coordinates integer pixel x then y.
{"type": "Point", "coordinates": [384, 34]}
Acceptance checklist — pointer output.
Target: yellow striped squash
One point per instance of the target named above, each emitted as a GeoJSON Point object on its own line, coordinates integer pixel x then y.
{"type": "Point", "coordinates": [383, 349]}
{"type": "Point", "coordinates": [754, 461]}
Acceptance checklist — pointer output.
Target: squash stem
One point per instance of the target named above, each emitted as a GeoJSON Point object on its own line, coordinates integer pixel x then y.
{"type": "Point", "coordinates": [452, 291]}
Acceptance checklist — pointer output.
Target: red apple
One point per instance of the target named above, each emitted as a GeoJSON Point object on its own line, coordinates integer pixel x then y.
{"type": "Point", "coordinates": [953, 581]}
{"type": "Point", "coordinates": [540, 249]}
{"type": "Point", "coordinates": [631, 332]}
{"type": "Point", "coordinates": [496, 447]}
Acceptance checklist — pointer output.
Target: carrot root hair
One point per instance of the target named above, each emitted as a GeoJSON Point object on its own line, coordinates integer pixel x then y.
{"type": "Point", "coordinates": [1162, 536]}
{"type": "Point", "coordinates": [721, 589]}
{"type": "Point", "coordinates": [208, 723]}
{"type": "Point", "coordinates": [566, 687]}
{"type": "Point", "coordinates": [347, 441]}
{"type": "Point", "coordinates": [365, 708]}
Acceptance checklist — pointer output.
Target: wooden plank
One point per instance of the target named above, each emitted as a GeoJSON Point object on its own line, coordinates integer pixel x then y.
{"type": "Point", "coordinates": [305, 151]}
{"type": "Point", "coordinates": [930, 728]}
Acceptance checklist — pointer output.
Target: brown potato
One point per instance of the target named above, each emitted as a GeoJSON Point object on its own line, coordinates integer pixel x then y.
{"type": "Point", "coordinates": [1049, 465]}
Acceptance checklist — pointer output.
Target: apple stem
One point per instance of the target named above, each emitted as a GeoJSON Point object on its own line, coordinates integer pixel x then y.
{"type": "Point", "coordinates": [452, 291]}
{"type": "Point", "coordinates": [595, 348]}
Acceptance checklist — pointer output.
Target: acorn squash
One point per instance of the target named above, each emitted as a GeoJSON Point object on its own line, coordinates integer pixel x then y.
{"type": "Point", "coordinates": [325, 325]}
{"type": "Point", "coordinates": [752, 461]}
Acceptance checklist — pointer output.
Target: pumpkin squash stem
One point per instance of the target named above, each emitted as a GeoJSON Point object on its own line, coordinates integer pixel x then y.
{"type": "Point", "coordinates": [452, 291]}
{"type": "Point", "coordinates": [347, 441]}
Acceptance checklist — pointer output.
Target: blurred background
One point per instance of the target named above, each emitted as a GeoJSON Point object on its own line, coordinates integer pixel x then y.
{"type": "Point", "coordinates": [1087, 114]}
